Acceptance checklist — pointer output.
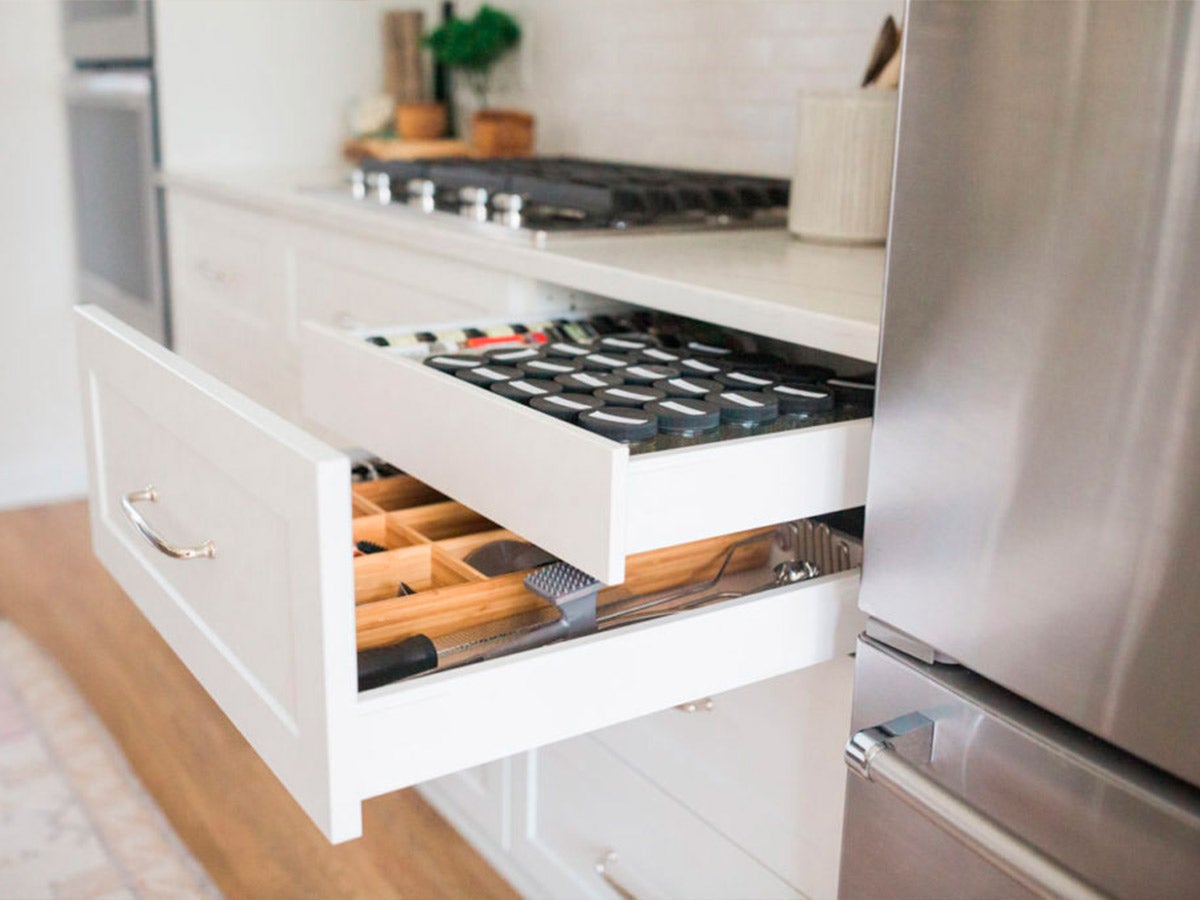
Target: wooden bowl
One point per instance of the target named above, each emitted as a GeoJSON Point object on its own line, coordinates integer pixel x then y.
{"type": "Point", "coordinates": [420, 121]}
{"type": "Point", "coordinates": [502, 132]}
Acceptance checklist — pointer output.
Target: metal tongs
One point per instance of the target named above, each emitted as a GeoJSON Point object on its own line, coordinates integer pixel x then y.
{"type": "Point", "coordinates": [655, 604]}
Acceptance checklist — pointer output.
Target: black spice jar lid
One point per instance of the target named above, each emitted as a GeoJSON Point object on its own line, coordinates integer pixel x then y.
{"type": "Point", "coordinates": [586, 382]}
{"type": "Point", "coordinates": [510, 356]}
{"type": "Point", "coordinates": [627, 342]}
{"type": "Point", "coordinates": [453, 362]}
{"type": "Point", "coordinates": [634, 395]}
{"type": "Point", "coordinates": [548, 368]}
{"type": "Point", "coordinates": [567, 350]}
{"type": "Point", "coordinates": [659, 355]}
{"type": "Point", "coordinates": [802, 398]}
{"type": "Point", "coordinates": [687, 386]}
{"type": "Point", "coordinates": [745, 407]}
{"type": "Point", "coordinates": [745, 381]}
{"type": "Point", "coordinates": [699, 348]}
{"type": "Point", "coordinates": [705, 368]}
{"type": "Point", "coordinates": [647, 373]}
{"type": "Point", "coordinates": [608, 361]}
{"type": "Point", "coordinates": [680, 415]}
{"type": "Point", "coordinates": [488, 375]}
{"type": "Point", "coordinates": [620, 423]}
{"type": "Point", "coordinates": [565, 406]}
{"type": "Point", "coordinates": [525, 389]}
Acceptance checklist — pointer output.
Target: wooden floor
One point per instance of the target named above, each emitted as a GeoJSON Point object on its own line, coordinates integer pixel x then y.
{"type": "Point", "coordinates": [240, 823]}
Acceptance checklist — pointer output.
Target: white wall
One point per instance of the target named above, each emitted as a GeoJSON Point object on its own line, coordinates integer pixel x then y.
{"type": "Point", "coordinates": [700, 83]}
{"type": "Point", "coordinates": [250, 82]}
{"type": "Point", "coordinates": [41, 441]}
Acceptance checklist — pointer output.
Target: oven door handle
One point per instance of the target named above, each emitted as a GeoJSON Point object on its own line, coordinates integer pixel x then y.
{"type": "Point", "coordinates": [112, 90]}
{"type": "Point", "coordinates": [875, 754]}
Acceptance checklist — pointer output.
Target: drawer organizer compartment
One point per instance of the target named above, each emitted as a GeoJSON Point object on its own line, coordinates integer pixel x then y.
{"type": "Point", "coordinates": [242, 558]}
{"type": "Point", "coordinates": [416, 580]}
{"type": "Point", "coordinates": [590, 500]}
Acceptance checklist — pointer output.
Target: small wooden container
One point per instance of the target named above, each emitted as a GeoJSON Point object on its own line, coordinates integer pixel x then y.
{"type": "Point", "coordinates": [502, 132]}
{"type": "Point", "coordinates": [420, 121]}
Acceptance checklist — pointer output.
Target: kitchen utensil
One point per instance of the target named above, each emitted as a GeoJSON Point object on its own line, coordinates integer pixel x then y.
{"type": "Point", "coordinates": [886, 46]}
{"type": "Point", "coordinates": [629, 605]}
{"type": "Point", "coordinates": [423, 653]}
{"type": "Point", "coordinates": [503, 557]}
{"type": "Point", "coordinates": [572, 591]}
{"type": "Point", "coordinates": [785, 573]}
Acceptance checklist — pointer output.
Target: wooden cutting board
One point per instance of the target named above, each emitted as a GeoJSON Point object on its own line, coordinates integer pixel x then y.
{"type": "Point", "coordinates": [385, 148]}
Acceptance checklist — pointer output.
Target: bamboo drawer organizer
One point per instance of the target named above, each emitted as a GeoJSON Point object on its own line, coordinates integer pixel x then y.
{"type": "Point", "coordinates": [427, 538]}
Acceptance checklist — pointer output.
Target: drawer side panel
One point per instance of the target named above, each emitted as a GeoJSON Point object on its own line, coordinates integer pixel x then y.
{"type": "Point", "coordinates": [555, 485]}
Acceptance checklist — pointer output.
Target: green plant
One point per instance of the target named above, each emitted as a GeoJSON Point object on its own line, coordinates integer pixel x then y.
{"type": "Point", "coordinates": [474, 45]}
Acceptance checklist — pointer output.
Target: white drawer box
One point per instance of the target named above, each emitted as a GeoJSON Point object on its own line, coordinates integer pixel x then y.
{"type": "Point", "coordinates": [268, 624]}
{"type": "Point", "coordinates": [587, 807]}
{"type": "Point", "coordinates": [582, 497]}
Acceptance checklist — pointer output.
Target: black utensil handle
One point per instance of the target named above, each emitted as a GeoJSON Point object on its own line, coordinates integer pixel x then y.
{"type": "Point", "coordinates": [383, 665]}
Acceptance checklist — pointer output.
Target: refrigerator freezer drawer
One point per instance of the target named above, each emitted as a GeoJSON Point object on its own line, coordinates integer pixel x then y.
{"type": "Point", "coordinates": [263, 613]}
{"type": "Point", "coordinates": [960, 789]}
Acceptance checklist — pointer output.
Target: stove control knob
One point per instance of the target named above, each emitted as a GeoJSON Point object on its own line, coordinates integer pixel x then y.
{"type": "Point", "coordinates": [358, 184]}
{"type": "Point", "coordinates": [509, 209]}
{"type": "Point", "coordinates": [383, 187]}
{"type": "Point", "coordinates": [422, 193]}
{"type": "Point", "coordinates": [508, 202]}
{"type": "Point", "coordinates": [421, 187]}
{"type": "Point", "coordinates": [473, 196]}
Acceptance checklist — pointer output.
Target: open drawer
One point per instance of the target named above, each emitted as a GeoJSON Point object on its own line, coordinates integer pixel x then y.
{"type": "Point", "coordinates": [579, 495]}
{"type": "Point", "coordinates": [263, 612]}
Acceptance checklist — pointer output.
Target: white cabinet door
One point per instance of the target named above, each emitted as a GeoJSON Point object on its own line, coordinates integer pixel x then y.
{"type": "Point", "coordinates": [252, 622]}
{"type": "Point", "coordinates": [593, 827]}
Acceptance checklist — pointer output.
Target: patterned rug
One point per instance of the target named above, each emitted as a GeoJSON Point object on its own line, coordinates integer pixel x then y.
{"type": "Point", "coordinates": [74, 820]}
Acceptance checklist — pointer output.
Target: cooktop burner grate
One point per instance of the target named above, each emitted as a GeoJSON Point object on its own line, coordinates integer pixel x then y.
{"type": "Point", "coordinates": [566, 193]}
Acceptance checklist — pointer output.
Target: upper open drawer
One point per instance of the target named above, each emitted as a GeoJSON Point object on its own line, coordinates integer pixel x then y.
{"type": "Point", "coordinates": [583, 497]}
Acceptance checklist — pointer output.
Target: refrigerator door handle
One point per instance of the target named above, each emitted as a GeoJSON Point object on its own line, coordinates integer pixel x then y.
{"type": "Point", "coordinates": [891, 755]}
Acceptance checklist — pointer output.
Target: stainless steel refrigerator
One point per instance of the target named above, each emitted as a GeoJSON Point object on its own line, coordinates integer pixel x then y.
{"type": "Point", "coordinates": [1027, 702]}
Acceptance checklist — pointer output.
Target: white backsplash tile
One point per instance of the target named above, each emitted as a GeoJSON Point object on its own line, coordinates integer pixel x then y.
{"type": "Point", "coordinates": [704, 83]}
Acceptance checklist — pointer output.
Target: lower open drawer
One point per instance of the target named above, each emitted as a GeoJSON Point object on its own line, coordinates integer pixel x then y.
{"type": "Point", "coordinates": [263, 610]}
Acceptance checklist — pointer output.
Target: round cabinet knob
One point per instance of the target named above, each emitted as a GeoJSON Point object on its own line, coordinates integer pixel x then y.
{"type": "Point", "coordinates": [473, 196]}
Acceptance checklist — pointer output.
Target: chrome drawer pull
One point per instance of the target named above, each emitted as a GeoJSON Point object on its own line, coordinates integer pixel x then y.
{"type": "Point", "coordinates": [207, 549]}
{"type": "Point", "coordinates": [692, 706]}
{"type": "Point", "coordinates": [602, 866]}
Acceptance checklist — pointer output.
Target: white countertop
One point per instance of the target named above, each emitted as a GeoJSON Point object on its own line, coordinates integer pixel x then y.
{"type": "Point", "coordinates": [759, 280]}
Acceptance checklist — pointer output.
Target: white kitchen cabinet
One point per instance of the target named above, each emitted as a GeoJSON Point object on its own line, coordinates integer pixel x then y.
{"type": "Point", "coordinates": [230, 307]}
{"type": "Point", "coordinates": [267, 624]}
{"type": "Point", "coordinates": [761, 764]}
{"type": "Point", "coordinates": [592, 826]}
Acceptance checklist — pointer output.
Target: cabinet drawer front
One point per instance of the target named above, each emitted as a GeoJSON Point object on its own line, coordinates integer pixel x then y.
{"type": "Point", "coordinates": [578, 495]}
{"type": "Point", "coordinates": [585, 803]}
{"type": "Point", "coordinates": [225, 253]}
{"type": "Point", "coordinates": [763, 765]}
{"type": "Point", "coordinates": [252, 623]}
{"type": "Point", "coordinates": [426, 727]}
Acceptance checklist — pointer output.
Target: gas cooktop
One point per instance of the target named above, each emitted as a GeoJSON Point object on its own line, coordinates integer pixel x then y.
{"type": "Point", "coordinates": [533, 198]}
